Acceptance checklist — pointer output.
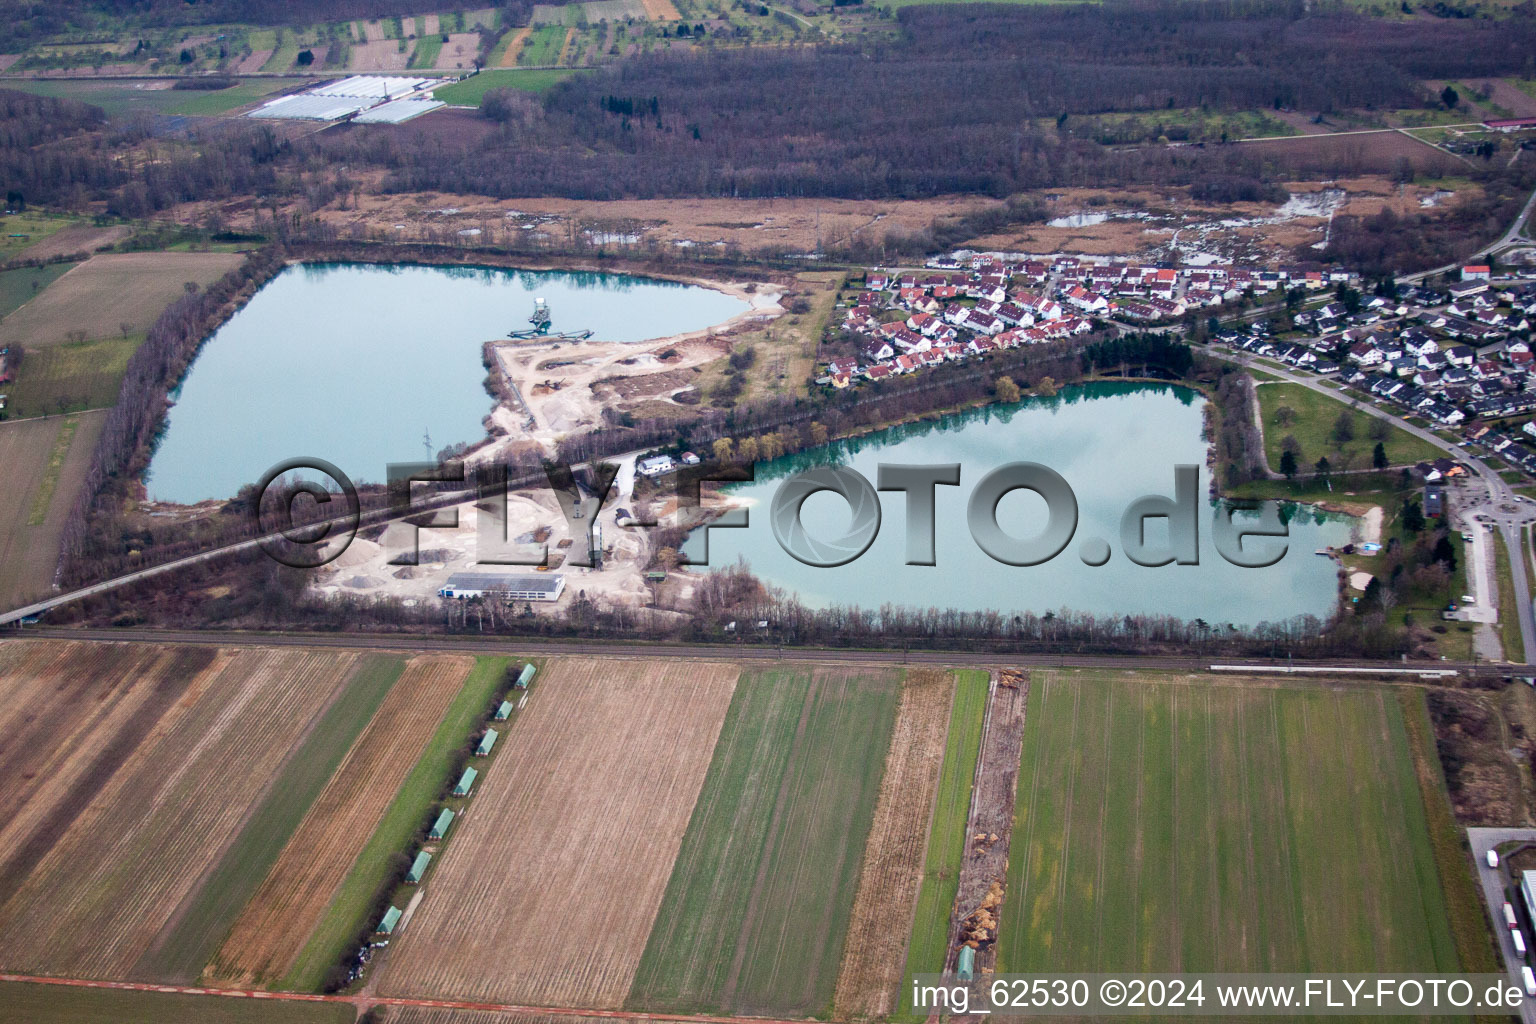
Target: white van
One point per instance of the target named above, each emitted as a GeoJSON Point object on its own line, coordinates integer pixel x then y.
{"type": "Point", "coordinates": [1529, 979]}
{"type": "Point", "coordinates": [1493, 858]}
{"type": "Point", "coordinates": [1509, 916]}
{"type": "Point", "coordinates": [1518, 938]}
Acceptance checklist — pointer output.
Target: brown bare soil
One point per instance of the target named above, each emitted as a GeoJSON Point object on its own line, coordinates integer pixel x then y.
{"type": "Point", "coordinates": [100, 894]}
{"type": "Point", "coordinates": [549, 890]}
{"type": "Point", "coordinates": [458, 52]}
{"type": "Point", "coordinates": [648, 385]}
{"type": "Point", "coordinates": [79, 238]}
{"type": "Point", "coordinates": [274, 926]}
{"type": "Point", "coordinates": [876, 949]}
{"type": "Point", "coordinates": [661, 10]}
{"type": "Point", "coordinates": [380, 55]}
{"type": "Point", "coordinates": [1513, 98]}
{"type": "Point", "coordinates": [1365, 152]}
{"type": "Point", "coordinates": [62, 698]}
{"type": "Point", "coordinates": [514, 47]}
{"type": "Point", "coordinates": [978, 904]}
{"type": "Point", "coordinates": [29, 551]}
{"type": "Point", "coordinates": [254, 62]}
{"type": "Point", "coordinates": [109, 290]}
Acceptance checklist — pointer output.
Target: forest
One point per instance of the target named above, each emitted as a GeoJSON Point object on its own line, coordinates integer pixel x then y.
{"type": "Point", "coordinates": [967, 99]}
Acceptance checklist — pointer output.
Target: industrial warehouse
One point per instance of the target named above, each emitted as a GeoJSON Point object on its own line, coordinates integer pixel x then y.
{"type": "Point", "coordinates": [366, 99]}
{"type": "Point", "coordinates": [463, 586]}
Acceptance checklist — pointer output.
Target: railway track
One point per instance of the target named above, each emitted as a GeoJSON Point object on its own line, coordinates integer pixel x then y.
{"type": "Point", "coordinates": [736, 652]}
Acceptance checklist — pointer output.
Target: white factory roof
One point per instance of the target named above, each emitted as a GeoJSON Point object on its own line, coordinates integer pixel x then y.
{"type": "Point", "coordinates": [397, 111]}
{"type": "Point", "coordinates": [309, 107]}
{"type": "Point", "coordinates": [372, 86]}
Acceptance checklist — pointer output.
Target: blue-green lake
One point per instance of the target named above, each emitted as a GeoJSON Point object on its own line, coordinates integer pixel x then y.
{"type": "Point", "coordinates": [354, 363]}
{"type": "Point", "coordinates": [1113, 443]}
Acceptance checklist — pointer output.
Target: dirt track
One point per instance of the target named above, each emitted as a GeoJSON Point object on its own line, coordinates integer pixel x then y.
{"type": "Point", "coordinates": [876, 949]}
{"type": "Point", "coordinates": [990, 826]}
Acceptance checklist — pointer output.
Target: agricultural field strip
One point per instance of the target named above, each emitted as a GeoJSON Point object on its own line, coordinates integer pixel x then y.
{"type": "Point", "coordinates": [295, 894]}
{"type": "Point", "coordinates": [869, 981]}
{"type": "Point", "coordinates": [191, 936]}
{"type": "Point", "coordinates": [337, 929]}
{"type": "Point", "coordinates": [1310, 856]}
{"type": "Point", "coordinates": [928, 946]}
{"type": "Point", "coordinates": [757, 908]}
{"type": "Point", "coordinates": [89, 907]}
{"type": "Point", "coordinates": [52, 709]}
{"type": "Point", "coordinates": [28, 552]}
{"type": "Point", "coordinates": [565, 852]}
{"type": "Point", "coordinates": [99, 296]}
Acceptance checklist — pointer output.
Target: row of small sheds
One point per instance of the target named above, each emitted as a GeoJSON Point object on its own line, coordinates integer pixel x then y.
{"type": "Point", "coordinates": [463, 787]}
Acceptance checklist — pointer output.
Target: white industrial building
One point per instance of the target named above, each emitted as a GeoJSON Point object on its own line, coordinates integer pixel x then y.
{"type": "Point", "coordinates": [542, 586]}
{"type": "Point", "coordinates": [397, 111]}
{"type": "Point", "coordinates": [385, 99]}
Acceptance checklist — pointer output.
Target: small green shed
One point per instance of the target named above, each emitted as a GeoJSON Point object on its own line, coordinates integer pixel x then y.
{"type": "Point", "coordinates": [440, 826]}
{"type": "Point", "coordinates": [486, 743]}
{"type": "Point", "coordinates": [466, 781]}
{"type": "Point", "coordinates": [391, 918]}
{"type": "Point", "coordinates": [504, 712]}
{"type": "Point", "coordinates": [965, 968]}
{"type": "Point", "coordinates": [418, 868]}
{"type": "Point", "coordinates": [525, 677]}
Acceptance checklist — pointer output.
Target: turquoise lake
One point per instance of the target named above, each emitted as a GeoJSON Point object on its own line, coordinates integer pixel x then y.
{"type": "Point", "coordinates": [355, 363]}
{"type": "Point", "coordinates": [1113, 443]}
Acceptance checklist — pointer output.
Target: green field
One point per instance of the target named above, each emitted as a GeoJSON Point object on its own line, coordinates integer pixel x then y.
{"type": "Point", "coordinates": [471, 91]}
{"type": "Point", "coordinates": [73, 376]}
{"type": "Point", "coordinates": [344, 916]}
{"type": "Point", "coordinates": [128, 96]}
{"type": "Point", "coordinates": [23, 1003]}
{"type": "Point", "coordinates": [18, 286]}
{"type": "Point", "coordinates": [1179, 826]}
{"type": "Point", "coordinates": [20, 230]}
{"type": "Point", "coordinates": [946, 837]}
{"type": "Point", "coordinates": [1509, 622]}
{"type": "Point", "coordinates": [428, 46]}
{"type": "Point", "coordinates": [284, 55]}
{"type": "Point", "coordinates": [1315, 415]}
{"type": "Point", "coordinates": [246, 862]}
{"type": "Point", "coordinates": [755, 913]}
{"type": "Point", "coordinates": [543, 46]}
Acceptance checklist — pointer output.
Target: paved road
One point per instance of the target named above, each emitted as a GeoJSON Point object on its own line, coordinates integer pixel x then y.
{"type": "Point", "coordinates": [1492, 880]}
{"type": "Point", "coordinates": [1507, 514]}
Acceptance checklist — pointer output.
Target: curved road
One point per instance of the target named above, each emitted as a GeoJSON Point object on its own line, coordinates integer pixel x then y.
{"type": "Point", "coordinates": [1499, 492]}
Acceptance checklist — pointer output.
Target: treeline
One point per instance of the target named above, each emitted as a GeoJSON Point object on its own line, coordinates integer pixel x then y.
{"type": "Point", "coordinates": [95, 543]}
{"type": "Point", "coordinates": [1239, 445]}
{"type": "Point", "coordinates": [887, 401]}
{"type": "Point", "coordinates": [1391, 243]}
{"type": "Point", "coordinates": [967, 99]}
{"type": "Point", "coordinates": [25, 22]}
{"type": "Point", "coordinates": [1144, 349]}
